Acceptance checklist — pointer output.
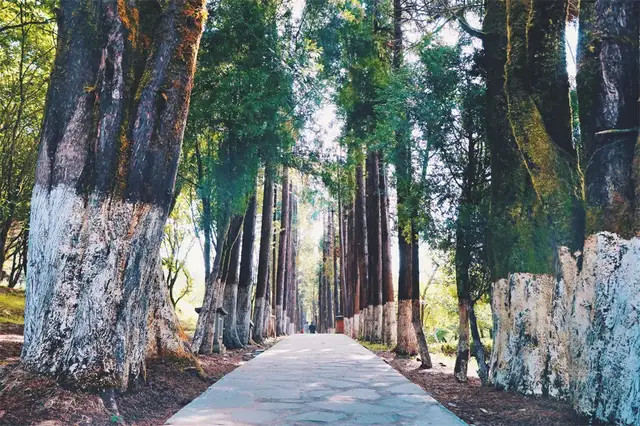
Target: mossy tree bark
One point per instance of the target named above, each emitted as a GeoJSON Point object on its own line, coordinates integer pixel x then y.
{"type": "Point", "coordinates": [111, 139]}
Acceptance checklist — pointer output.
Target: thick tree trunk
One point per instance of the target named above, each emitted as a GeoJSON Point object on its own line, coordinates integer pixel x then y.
{"type": "Point", "coordinates": [389, 336]}
{"type": "Point", "coordinates": [230, 298]}
{"type": "Point", "coordinates": [282, 253]}
{"type": "Point", "coordinates": [374, 241]}
{"type": "Point", "coordinates": [262, 302]}
{"type": "Point", "coordinates": [462, 356]}
{"type": "Point", "coordinates": [108, 156]}
{"type": "Point", "coordinates": [246, 273]}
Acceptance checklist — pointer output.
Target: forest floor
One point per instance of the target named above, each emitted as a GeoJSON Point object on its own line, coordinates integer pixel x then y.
{"type": "Point", "coordinates": [479, 405]}
{"type": "Point", "coordinates": [26, 398]}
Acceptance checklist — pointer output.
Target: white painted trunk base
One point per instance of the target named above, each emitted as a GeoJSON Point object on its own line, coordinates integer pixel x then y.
{"type": "Point", "coordinates": [390, 336]}
{"type": "Point", "coordinates": [91, 267]}
{"type": "Point", "coordinates": [355, 326]}
{"type": "Point", "coordinates": [376, 323]}
{"type": "Point", "coordinates": [407, 341]}
{"type": "Point", "coordinates": [575, 336]}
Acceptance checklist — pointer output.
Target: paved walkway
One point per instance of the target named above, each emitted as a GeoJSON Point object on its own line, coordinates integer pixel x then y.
{"type": "Point", "coordinates": [315, 378]}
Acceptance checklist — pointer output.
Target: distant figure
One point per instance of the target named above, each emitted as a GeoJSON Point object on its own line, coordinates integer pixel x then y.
{"type": "Point", "coordinates": [312, 328]}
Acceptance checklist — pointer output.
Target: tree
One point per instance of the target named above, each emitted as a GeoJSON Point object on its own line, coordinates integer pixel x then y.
{"type": "Point", "coordinates": [261, 300]}
{"type": "Point", "coordinates": [89, 294]}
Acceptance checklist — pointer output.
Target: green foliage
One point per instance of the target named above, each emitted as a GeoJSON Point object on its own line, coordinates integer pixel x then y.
{"type": "Point", "coordinates": [27, 48]}
{"type": "Point", "coordinates": [11, 306]}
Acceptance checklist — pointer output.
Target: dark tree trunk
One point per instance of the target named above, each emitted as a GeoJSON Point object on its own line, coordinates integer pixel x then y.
{"type": "Point", "coordinates": [425, 359]}
{"type": "Point", "coordinates": [354, 277]}
{"type": "Point", "coordinates": [463, 259]}
{"type": "Point", "coordinates": [336, 275]}
{"type": "Point", "coordinates": [478, 348]}
{"type": "Point", "coordinates": [246, 273]}
{"type": "Point", "coordinates": [607, 83]}
{"type": "Point", "coordinates": [282, 253]}
{"type": "Point", "coordinates": [361, 246]}
{"type": "Point", "coordinates": [230, 276]}
{"type": "Point", "coordinates": [407, 344]}
{"type": "Point", "coordinates": [262, 302]}
{"type": "Point", "coordinates": [286, 305]}
{"type": "Point", "coordinates": [343, 268]}
{"type": "Point", "coordinates": [374, 240]}
{"type": "Point", "coordinates": [271, 325]}
{"type": "Point", "coordinates": [111, 138]}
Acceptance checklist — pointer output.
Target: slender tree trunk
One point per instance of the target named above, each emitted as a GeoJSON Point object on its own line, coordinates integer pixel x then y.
{"type": "Point", "coordinates": [355, 274]}
{"type": "Point", "coordinates": [344, 297]}
{"type": "Point", "coordinates": [282, 253]}
{"type": "Point", "coordinates": [425, 358]}
{"type": "Point", "coordinates": [246, 272]}
{"type": "Point", "coordinates": [214, 290]}
{"type": "Point", "coordinates": [262, 302]}
{"type": "Point", "coordinates": [336, 275]}
{"type": "Point", "coordinates": [374, 240]}
{"type": "Point", "coordinates": [271, 325]}
{"type": "Point", "coordinates": [388, 301]}
{"type": "Point", "coordinates": [361, 245]}
{"type": "Point", "coordinates": [230, 301]}
{"type": "Point", "coordinates": [407, 343]}
{"type": "Point", "coordinates": [286, 305]}
{"type": "Point", "coordinates": [478, 348]}
{"type": "Point", "coordinates": [108, 156]}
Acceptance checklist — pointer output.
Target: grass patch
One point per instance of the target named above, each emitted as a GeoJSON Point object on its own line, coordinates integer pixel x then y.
{"type": "Point", "coordinates": [375, 347]}
{"type": "Point", "coordinates": [11, 306]}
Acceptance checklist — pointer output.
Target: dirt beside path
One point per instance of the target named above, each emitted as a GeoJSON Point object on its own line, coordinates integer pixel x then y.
{"type": "Point", "coordinates": [483, 406]}
{"type": "Point", "coordinates": [27, 399]}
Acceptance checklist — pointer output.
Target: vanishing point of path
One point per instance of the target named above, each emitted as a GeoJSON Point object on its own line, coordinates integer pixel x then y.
{"type": "Point", "coordinates": [315, 378]}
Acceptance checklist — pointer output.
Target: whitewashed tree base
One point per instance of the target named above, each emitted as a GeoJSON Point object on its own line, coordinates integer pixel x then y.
{"type": "Point", "coordinates": [91, 268]}
{"type": "Point", "coordinates": [575, 336]}
{"type": "Point", "coordinates": [390, 336]}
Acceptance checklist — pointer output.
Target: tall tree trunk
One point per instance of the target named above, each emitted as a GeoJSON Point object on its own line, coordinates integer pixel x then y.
{"type": "Point", "coordinates": [355, 275]}
{"type": "Point", "coordinates": [344, 297]}
{"type": "Point", "coordinates": [463, 260]}
{"type": "Point", "coordinates": [374, 241]}
{"type": "Point", "coordinates": [261, 301]}
{"type": "Point", "coordinates": [336, 275]}
{"type": "Point", "coordinates": [286, 305]}
{"type": "Point", "coordinates": [425, 358]}
{"type": "Point", "coordinates": [108, 156]}
{"type": "Point", "coordinates": [607, 83]}
{"type": "Point", "coordinates": [271, 325]}
{"type": "Point", "coordinates": [407, 343]}
{"type": "Point", "coordinates": [230, 298]}
{"type": "Point", "coordinates": [246, 272]}
{"type": "Point", "coordinates": [282, 253]}
{"type": "Point", "coordinates": [388, 301]}
{"type": "Point", "coordinates": [361, 245]}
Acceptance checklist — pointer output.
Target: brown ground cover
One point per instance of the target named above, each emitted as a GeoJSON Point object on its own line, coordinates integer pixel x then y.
{"type": "Point", "coordinates": [27, 399]}
{"type": "Point", "coordinates": [480, 405]}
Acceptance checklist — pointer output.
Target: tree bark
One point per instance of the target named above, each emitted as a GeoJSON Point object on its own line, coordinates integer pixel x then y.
{"type": "Point", "coordinates": [202, 342]}
{"type": "Point", "coordinates": [246, 273]}
{"type": "Point", "coordinates": [374, 240]}
{"type": "Point", "coordinates": [230, 298]}
{"type": "Point", "coordinates": [607, 83]}
{"type": "Point", "coordinates": [361, 245]}
{"type": "Point", "coordinates": [478, 348]}
{"type": "Point", "coordinates": [261, 302]}
{"type": "Point", "coordinates": [388, 300]}
{"type": "Point", "coordinates": [108, 156]}
{"type": "Point", "coordinates": [282, 253]}
{"type": "Point", "coordinates": [425, 358]}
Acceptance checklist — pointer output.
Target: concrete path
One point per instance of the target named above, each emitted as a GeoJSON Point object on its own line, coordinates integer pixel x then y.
{"type": "Point", "coordinates": [315, 378]}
